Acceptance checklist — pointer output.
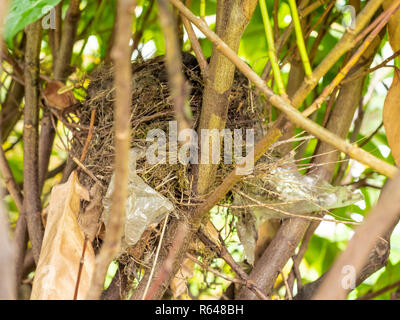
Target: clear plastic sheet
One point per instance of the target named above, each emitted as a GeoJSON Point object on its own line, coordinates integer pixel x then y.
{"type": "Point", "coordinates": [144, 205]}
{"type": "Point", "coordinates": [283, 192]}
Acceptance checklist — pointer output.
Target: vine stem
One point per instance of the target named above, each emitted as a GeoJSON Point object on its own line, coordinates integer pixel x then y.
{"type": "Point", "coordinates": [300, 39]}
{"type": "Point", "coordinates": [114, 229]}
{"type": "Point", "coordinates": [271, 48]}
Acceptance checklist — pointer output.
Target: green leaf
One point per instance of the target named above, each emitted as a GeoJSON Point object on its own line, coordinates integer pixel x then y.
{"type": "Point", "coordinates": [211, 7]}
{"type": "Point", "coordinates": [23, 13]}
{"type": "Point", "coordinates": [321, 253]}
{"type": "Point", "coordinates": [283, 12]}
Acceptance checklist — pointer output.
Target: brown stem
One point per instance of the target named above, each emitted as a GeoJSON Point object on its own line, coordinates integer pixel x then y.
{"type": "Point", "coordinates": [55, 34]}
{"type": "Point", "coordinates": [89, 136]}
{"type": "Point", "coordinates": [32, 205]}
{"type": "Point", "coordinates": [61, 71]}
{"type": "Point", "coordinates": [196, 46]}
{"type": "Point", "coordinates": [9, 180]}
{"type": "Point", "coordinates": [381, 218]}
{"type": "Point", "coordinates": [232, 18]}
{"type": "Point", "coordinates": [64, 54]}
{"type": "Point", "coordinates": [173, 61]}
{"type": "Point", "coordinates": [339, 123]}
{"type": "Point", "coordinates": [166, 272]}
{"type": "Point", "coordinates": [81, 262]}
{"type": "Point", "coordinates": [350, 64]}
{"type": "Point", "coordinates": [121, 57]}
{"type": "Point", "coordinates": [345, 43]}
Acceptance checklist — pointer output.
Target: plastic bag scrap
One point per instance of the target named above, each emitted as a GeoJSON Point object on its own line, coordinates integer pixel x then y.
{"type": "Point", "coordinates": [284, 191]}
{"type": "Point", "coordinates": [144, 205]}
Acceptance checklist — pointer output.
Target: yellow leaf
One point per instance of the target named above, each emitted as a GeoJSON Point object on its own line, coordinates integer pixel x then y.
{"type": "Point", "coordinates": [57, 270]}
{"type": "Point", "coordinates": [391, 116]}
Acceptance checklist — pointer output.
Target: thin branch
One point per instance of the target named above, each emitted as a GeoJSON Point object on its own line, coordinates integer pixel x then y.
{"type": "Point", "coordinates": [294, 273]}
{"type": "Point", "coordinates": [203, 64]}
{"type": "Point", "coordinates": [20, 232]}
{"type": "Point", "coordinates": [288, 288]}
{"type": "Point", "coordinates": [64, 54]}
{"type": "Point", "coordinates": [357, 55]}
{"type": "Point", "coordinates": [11, 112]}
{"type": "Point", "coordinates": [271, 48]}
{"type": "Point", "coordinates": [346, 42]}
{"type": "Point", "coordinates": [216, 272]}
{"type": "Point", "coordinates": [371, 295]}
{"type": "Point", "coordinates": [383, 64]}
{"type": "Point", "coordinates": [7, 288]}
{"type": "Point", "coordinates": [156, 257]}
{"type": "Point", "coordinates": [167, 267]}
{"type": "Point", "coordinates": [89, 136]}
{"type": "Point", "coordinates": [61, 66]}
{"type": "Point", "coordinates": [121, 57]}
{"type": "Point", "coordinates": [221, 250]}
{"type": "Point", "coordinates": [231, 20]}
{"type": "Point", "coordinates": [315, 5]}
{"type": "Point", "coordinates": [275, 17]}
{"type": "Point", "coordinates": [374, 227]}
{"type": "Point", "coordinates": [173, 62]}
{"type": "Point", "coordinates": [32, 205]}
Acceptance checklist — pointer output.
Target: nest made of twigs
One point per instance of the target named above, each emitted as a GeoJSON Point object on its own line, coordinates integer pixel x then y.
{"type": "Point", "coordinates": [151, 109]}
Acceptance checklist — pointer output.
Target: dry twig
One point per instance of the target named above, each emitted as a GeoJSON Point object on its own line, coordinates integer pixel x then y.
{"type": "Point", "coordinates": [121, 56]}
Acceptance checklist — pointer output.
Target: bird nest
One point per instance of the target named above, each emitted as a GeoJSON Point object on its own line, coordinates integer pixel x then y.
{"type": "Point", "coordinates": [151, 109]}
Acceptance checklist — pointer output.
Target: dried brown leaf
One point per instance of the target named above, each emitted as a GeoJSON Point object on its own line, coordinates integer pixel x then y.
{"type": "Point", "coordinates": [178, 284]}
{"type": "Point", "coordinates": [54, 98]}
{"type": "Point", "coordinates": [391, 116]}
{"type": "Point", "coordinates": [59, 260]}
{"type": "Point", "coordinates": [89, 220]}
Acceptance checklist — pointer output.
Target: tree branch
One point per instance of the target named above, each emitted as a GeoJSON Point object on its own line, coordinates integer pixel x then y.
{"type": "Point", "coordinates": [32, 205]}
{"type": "Point", "coordinates": [232, 18]}
{"type": "Point", "coordinates": [345, 43]}
{"type": "Point", "coordinates": [62, 69]}
{"type": "Point", "coordinates": [375, 227]}
{"type": "Point", "coordinates": [121, 57]}
{"type": "Point", "coordinates": [173, 62]}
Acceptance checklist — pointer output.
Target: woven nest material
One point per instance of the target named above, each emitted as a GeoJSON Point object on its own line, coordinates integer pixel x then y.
{"type": "Point", "coordinates": [152, 109]}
